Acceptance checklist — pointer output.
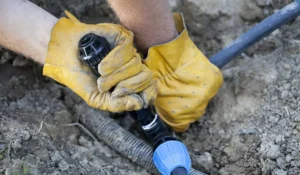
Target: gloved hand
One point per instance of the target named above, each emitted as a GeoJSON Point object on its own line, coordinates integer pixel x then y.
{"type": "Point", "coordinates": [187, 81]}
{"type": "Point", "coordinates": [121, 68]}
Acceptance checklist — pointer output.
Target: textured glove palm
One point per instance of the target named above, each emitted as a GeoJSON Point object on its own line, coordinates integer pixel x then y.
{"type": "Point", "coordinates": [187, 81]}
{"type": "Point", "coordinates": [121, 68]}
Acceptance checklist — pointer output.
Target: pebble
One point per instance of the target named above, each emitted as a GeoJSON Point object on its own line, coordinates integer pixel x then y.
{"type": "Point", "coordinates": [20, 61]}
{"type": "Point", "coordinates": [297, 119]}
{"type": "Point", "coordinates": [284, 94]}
{"type": "Point", "coordinates": [273, 119]}
{"type": "Point", "coordinates": [25, 135]}
{"type": "Point", "coordinates": [295, 131]}
{"type": "Point", "coordinates": [288, 76]}
{"type": "Point", "coordinates": [16, 144]}
{"type": "Point", "coordinates": [287, 133]}
{"type": "Point", "coordinates": [205, 161]}
{"type": "Point", "coordinates": [270, 150]}
{"type": "Point", "coordinates": [56, 157]}
{"type": "Point", "coordinates": [288, 158]}
{"type": "Point", "coordinates": [287, 86]}
{"type": "Point", "coordinates": [5, 57]}
{"type": "Point", "coordinates": [281, 163]}
{"type": "Point", "coordinates": [279, 172]}
{"type": "Point", "coordinates": [283, 122]}
{"type": "Point", "coordinates": [279, 139]}
{"type": "Point", "coordinates": [286, 67]}
{"type": "Point", "coordinates": [63, 165]}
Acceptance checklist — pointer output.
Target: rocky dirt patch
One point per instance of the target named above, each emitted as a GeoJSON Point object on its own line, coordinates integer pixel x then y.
{"type": "Point", "coordinates": [251, 127]}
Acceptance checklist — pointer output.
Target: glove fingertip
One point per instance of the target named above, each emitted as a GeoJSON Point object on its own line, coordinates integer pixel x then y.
{"type": "Point", "coordinates": [181, 129]}
{"type": "Point", "coordinates": [121, 91]}
{"type": "Point", "coordinates": [71, 16]}
{"type": "Point", "coordinates": [134, 102]}
{"type": "Point", "coordinates": [149, 95]}
{"type": "Point", "coordinates": [102, 85]}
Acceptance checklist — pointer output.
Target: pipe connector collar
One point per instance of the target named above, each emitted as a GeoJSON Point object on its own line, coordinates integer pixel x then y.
{"type": "Point", "coordinates": [171, 155]}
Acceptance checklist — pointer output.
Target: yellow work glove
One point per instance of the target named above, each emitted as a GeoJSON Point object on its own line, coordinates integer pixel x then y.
{"type": "Point", "coordinates": [122, 68]}
{"type": "Point", "coordinates": [186, 80]}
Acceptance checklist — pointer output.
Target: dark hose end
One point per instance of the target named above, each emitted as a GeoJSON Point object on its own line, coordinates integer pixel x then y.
{"type": "Point", "coordinates": [179, 171]}
{"type": "Point", "coordinates": [92, 50]}
{"type": "Point", "coordinates": [86, 40]}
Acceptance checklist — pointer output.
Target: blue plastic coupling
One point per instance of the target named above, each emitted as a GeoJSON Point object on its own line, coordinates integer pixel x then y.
{"type": "Point", "coordinates": [171, 155]}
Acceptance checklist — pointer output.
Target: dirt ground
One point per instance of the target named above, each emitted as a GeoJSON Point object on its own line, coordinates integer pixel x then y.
{"type": "Point", "coordinates": [251, 127]}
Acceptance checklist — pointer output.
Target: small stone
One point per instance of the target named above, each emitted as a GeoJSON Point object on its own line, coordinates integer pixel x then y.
{"type": "Point", "coordinates": [269, 150]}
{"type": "Point", "coordinates": [56, 157]}
{"type": "Point", "coordinates": [297, 119]}
{"type": "Point", "coordinates": [296, 94]}
{"type": "Point", "coordinates": [85, 142]}
{"type": "Point", "coordinates": [287, 133]}
{"type": "Point", "coordinates": [42, 154]}
{"type": "Point", "coordinates": [20, 61]}
{"type": "Point", "coordinates": [295, 131]}
{"type": "Point", "coordinates": [288, 76]}
{"type": "Point", "coordinates": [288, 158]}
{"type": "Point", "coordinates": [251, 11]}
{"type": "Point", "coordinates": [205, 161]}
{"type": "Point", "coordinates": [268, 166]}
{"type": "Point", "coordinates": [295, 163]}
{"type": "Point", "coordinates": [284, 94]}
{"type": "Point", "coordinates": [5, 58]}
{"type": "Point", "coordinates": [273, 119]}
{"type": "Point", "coordinates": [25, 135]}
{"type": "Point", "coordinates": [16, 144]}
{"type": "Point", "coordinates": [281, 163]}
{"type": "Point", "coordinates": [279, 139]}
{"type": "Point", "coordinates": [283, 122]}
{"type": "Point", "coordinates": [63, 165]}
{"type": "Point", "coordinates": [287, 67]}
{"type": "Point", "coordinates": [287, 86]}
{"type": "Point", "coordinates": [279, 172]}
{"type": "Point", "coordinates": [84, 161]}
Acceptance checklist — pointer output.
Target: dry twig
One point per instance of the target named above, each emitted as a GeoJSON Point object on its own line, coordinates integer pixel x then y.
{"type": "Point", "coordinates": [84, 129]}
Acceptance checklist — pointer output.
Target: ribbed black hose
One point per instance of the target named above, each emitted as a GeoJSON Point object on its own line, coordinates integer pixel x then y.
{"type": "Point", "coordinates": [256, 33]}
{"type": "Point", "coordinates": [122, 141]}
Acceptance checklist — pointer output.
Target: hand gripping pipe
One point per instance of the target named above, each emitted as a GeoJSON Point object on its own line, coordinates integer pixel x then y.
{"type": "Point", "coordinates": [141, 153]}
{"type": "Point", "coordinates": [170, 155]}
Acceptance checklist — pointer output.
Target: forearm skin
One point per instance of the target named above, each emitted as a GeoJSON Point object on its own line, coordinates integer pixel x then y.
{"type": "Point", "coordinates": [150, 20]}
{"type": "Point", "coordinates": [25, 28]}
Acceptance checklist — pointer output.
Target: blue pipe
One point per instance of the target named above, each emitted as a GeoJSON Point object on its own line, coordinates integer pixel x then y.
{"type": "Point", "coordinates": [255, 34]}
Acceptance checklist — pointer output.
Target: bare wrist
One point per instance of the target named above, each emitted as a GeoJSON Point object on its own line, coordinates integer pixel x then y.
{"type": "Point", "coordinates": [25, 28]}
{"type": "Point", "coordinates": [150, 20]}
{"type": "Point", "coordinates": [148, 36]}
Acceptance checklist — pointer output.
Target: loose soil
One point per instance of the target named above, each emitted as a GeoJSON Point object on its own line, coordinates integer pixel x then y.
{"type": "Point", "coordinates": [251, 127]}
